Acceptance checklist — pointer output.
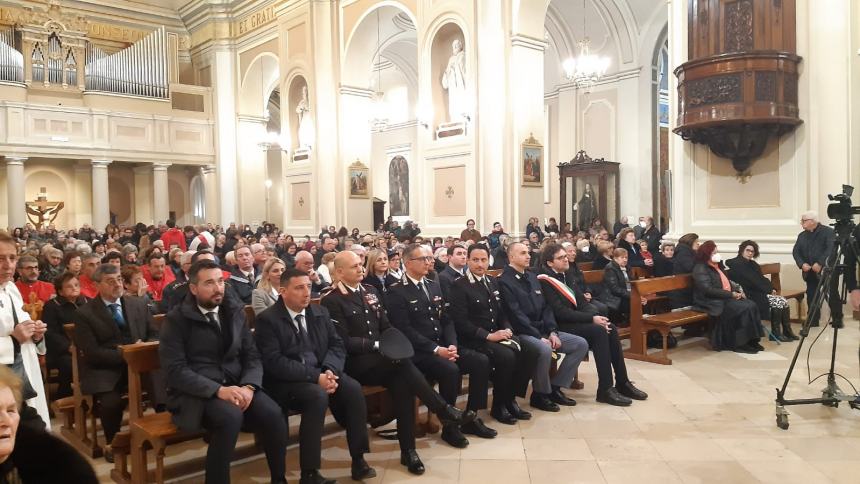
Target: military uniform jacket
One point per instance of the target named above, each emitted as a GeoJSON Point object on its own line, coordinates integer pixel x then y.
{"type": "Point", "coordinates": [476, 309]}
{"type": "Point", "coordinates": [522, 298]}
{"type": "Point", "coordinates": [423, 321]}
{"type": "Point", "coordinates": [360, 319]}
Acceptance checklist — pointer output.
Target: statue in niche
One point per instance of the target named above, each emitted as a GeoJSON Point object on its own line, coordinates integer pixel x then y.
{"type": "Point", "coordinates": [303, 110]}
{"type": "Point", "coordinates": [398, 186]}
{"type": "Point", "coordinates": [586, 208]}
{"type": "Point", "coordinates": [454, 81]}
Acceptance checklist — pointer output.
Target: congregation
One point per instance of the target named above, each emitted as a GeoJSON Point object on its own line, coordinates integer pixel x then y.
{"type": "Point", "coordinates": [341, 310]}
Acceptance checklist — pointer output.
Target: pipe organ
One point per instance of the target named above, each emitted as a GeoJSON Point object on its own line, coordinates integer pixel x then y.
{"type": "Point", "coordinates": [11, 60]}
{"type": "Point", "coordinates": [139, 70]}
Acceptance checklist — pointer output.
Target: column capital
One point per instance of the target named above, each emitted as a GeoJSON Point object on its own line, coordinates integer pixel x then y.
{"type": "Point", "coordinates": [100, 163]}
{"type": "Point", "coordinates": [161, 166]}
{"type": "Point", "coordinates": [15, 160]}
{"type": "Point", "coordinates": [207, 170]}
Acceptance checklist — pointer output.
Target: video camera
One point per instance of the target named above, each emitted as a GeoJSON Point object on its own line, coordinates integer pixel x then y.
{"type": "Point", "coordinates": [841, 209]}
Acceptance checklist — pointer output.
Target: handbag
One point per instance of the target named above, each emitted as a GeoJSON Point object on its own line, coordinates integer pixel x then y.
{"type": "Point", "coordinates": [17, 365]}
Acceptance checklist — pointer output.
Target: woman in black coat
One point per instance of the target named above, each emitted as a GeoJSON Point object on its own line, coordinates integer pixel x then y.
{"type": "Point", "coordinates": [738, 324]}
{"type": "Point", "coordinates": [627, 241]}
{"type": "Point", "coordinates": [683, 261]}
{"type": "Point", "coordinates": [376, 268]}
{"type": "Point", "coordinates": [663, 260]}
{"type": "Point", "coordinates": [744, 270]}
{"type": "Point", "coordinates": [57, 312]}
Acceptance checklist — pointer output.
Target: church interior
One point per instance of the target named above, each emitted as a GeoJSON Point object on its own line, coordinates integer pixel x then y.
{"type": "Point", "coordinates": [730, 119]}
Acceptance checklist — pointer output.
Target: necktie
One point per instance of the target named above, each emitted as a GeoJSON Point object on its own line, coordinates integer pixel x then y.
{"type": "Point", "coordinates": [308, 356]}
{"type": "Point", "coordinates": [303, 332]}
{"type": "Point", "coordinates": [117, 315]}
{"type": "Point", "coordinates": [211, 317]}
{"type": "Point", "coordinates": [424, 290]}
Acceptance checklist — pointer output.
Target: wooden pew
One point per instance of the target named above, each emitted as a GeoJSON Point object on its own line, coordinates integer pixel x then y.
{"type": "Point", "coordinates": [585, 266]}
{"type": "Point", "coordinates": [772, 269]}
{"type": "Point", "coordinates": [495, 272]}
{"type": "Point", "coordinates": [664, 322]}
{"type": "Point", "coordinates": [78, 432]}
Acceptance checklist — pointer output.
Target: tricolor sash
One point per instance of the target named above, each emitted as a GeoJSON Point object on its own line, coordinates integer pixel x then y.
{"type": "Point", "coordinates": [560, 287]}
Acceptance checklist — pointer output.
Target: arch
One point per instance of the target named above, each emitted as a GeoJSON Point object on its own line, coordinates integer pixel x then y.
{"type": "Point", "coordinates": [258, 81]}
{"type": "Point", "coordinates": [397, 37]}
{"type": "Point", "coordinates": [58, 189]}
{"type": "Point", "coordinates": [378, 5]}
{"type": "Point", "coordinates": [120, 200]}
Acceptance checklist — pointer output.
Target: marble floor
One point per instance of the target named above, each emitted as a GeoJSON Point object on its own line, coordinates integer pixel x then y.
{"type": "Point", "coordinates": [709, 418]}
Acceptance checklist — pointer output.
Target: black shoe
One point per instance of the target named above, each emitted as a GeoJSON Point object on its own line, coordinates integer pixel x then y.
{"type": "Point", "coordinates": [502, 415]}
{"type": "Point", "coordinates": [108, 454]}
{"type": "Point", "coordinates": [628, 390]}
{"type": "Point", "coordinates": [361, 470]}
{"type": "Point", "coordinates": [314, 477]}
{"type": "Point", "coordinates": [560, 398]}
{"type": "Point", "coordinates": [541, 401]}
{"type": "Point", "coordinates": [755, 344]}
{"type": "Point", "coordinates": [612, 397]}
{"type": "Point", "coordinates": [477, 428]}
{"type": "Point", "coordinates": [413, 463]}
{"type": "Point", "coordinates": [746, 349]}
{"type": "Point", "coordinates": [453, 415]}
{"type": "Point", "coordinates": [451, 433]}
{"type": "Point", "coordinates": [517, 412]}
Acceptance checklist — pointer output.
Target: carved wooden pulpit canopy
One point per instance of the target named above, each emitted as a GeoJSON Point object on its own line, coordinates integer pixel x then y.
{"type": "Point", "coordinates": [740, 85]}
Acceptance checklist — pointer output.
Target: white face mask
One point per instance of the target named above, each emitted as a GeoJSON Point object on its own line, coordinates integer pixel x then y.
{"type": "Point", "coordinates": [716, 258]}
{"type": "Point", "coordinates": [643, 224]}
{"type": "Point", "coordinates": [585, 249]}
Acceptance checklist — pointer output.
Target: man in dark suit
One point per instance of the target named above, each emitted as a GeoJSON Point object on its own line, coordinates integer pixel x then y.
{"type": "Point", "coordinates": [359, 315]}
{"type": "Point", "coordinates": [303, 359]}
{"type": "Point", "coordinates": [305, 262]}
{"type": "Point", "coordinates": [533, 321]}
{"type": "Point", "coordinates": [416, 306]}
{"type": "Point", "coordinates": [101, 326]}
{"type": "Point", "coordinates": [455, 269]}
{"type": "Point", "coordinates": [575, 277]}
{"type": "Point", "coordinates": [810, 252]}
{"type": "Point", "coordinates": [214, 375]}
{"type": "Point", "coordinates": [243, 276]}
{"type": "Point", "coordinates": [476, 309]}
{"type": "Point", "coordinates": [576, 315]}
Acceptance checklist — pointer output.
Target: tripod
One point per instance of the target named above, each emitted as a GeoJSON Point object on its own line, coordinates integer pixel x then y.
{"type": "Point", "coordinates": [828, 289]}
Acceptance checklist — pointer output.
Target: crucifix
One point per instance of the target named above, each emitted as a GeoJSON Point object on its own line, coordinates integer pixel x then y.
{"type": "Point", "coordinates": [41, 212]}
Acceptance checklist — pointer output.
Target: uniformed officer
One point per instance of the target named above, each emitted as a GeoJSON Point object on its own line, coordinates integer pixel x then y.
{"type": "Point", "coordinates": [476, 309]}
{"type": "Point", "coordinates": [534, 322]}
{"type": "Point", "coordinates": [416, 307]}
{"type": "Point", "coordinates": [360, 318]}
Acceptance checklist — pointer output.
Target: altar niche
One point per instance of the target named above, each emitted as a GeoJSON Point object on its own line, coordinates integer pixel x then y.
{"type": "Point", "coordinates": [589, 191]}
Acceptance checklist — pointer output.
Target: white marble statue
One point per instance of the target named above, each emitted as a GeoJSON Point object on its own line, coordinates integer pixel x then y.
{"type": "Point", "coordinates": [305, 130]}
{"type": "Point", "coordinates": [454, 81]}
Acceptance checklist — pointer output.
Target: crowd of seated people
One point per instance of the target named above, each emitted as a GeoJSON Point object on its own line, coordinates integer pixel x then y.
{"type": "Point", "coordinates": [308, 357]}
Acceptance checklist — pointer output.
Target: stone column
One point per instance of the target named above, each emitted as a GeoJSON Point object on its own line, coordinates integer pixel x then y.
{"type": "Point", "coordinates": [16, 198]}
{"type": "Point", "coordinates": [160, 194]}
{"type": "Point", "coordinates": [224, 97]}
{"type": "Point", "coordinates": [101, 199]}
{"type": "Point", "coordinates": [328, 172]}
{"type": "Point", "coordinates": [210, 194]}
{"type": "Point", "coordinates": [143, 194]}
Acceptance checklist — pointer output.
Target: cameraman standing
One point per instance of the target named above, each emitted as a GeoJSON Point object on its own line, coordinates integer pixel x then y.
{"type": "Point", "coordinates": [811, 251]}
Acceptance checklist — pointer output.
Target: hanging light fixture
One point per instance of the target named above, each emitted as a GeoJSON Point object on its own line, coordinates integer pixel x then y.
{"type": "Point", "coordinates": [587, 68]}
{"type": "Point", "coordinates": [380, 108]}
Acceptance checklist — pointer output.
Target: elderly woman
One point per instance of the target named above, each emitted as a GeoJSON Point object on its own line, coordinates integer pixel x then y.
{"type": "Point", "coordinates": [744, 270]}
{"type": "Point", "coordinates": [29, 455]}
{"type": "Point", "coordinates": [376, 271]}
{"type": "Point", "coordinates": [683, 260]}
{"type": "Point", "coordinates": [604, 255]}
{"type": "Point", "coordinates": [72, 262]}
{"type": "Point", "coordinates": [584, 251]}
{"type": "Point", "coordinates": [57, 312]}
{"type": "Point", "coordinates": [738, 324]}
{"type": "Point", "coordinates": [627, 241]}
{"type": "Point", "coordinates": [266, 292]}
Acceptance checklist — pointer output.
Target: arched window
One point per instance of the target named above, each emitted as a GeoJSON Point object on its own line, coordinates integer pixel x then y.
{"type": "Point", "coordinates": [198, 199]}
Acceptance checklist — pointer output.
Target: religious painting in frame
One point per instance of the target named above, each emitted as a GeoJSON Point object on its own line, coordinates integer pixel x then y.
{"type": "Point", "coordinates": [531, 162]}
{"type": "Point", "coordinates": [359, 181]}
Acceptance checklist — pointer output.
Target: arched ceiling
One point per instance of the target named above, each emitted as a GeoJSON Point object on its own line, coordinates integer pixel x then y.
{"type": "Point", "coordinates": [397, 41]}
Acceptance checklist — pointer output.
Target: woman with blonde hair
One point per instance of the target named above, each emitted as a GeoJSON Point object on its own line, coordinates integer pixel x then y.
{"type": "Point", "coordinates": [266, 292]}
{"type": "Point", "coordinates": [376, 271]}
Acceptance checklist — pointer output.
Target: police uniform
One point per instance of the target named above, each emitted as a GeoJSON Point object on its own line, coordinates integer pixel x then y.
{"type": "Point", "coordinates": [360, 318]}
{"type": "Point", "coordinates": [476, 309]}
{"type": "Point", "coordinates": [420, 314]}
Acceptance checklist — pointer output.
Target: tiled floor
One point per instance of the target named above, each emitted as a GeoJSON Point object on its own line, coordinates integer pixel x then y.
{"type": "Point", "coordinates": [710, 418]}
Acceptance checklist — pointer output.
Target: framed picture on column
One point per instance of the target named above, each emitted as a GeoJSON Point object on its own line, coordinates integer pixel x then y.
{"type": "Point", "coordinates": [359, 181]}
{"type": "Point", "coordinates": [531, 162]}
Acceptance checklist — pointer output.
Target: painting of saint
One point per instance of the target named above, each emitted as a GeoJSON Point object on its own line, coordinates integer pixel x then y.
{"type": "Point", "coordinates": [532, 165]}
{"type": "Point", "coordinates": [358, 181]}
{"type": "Point", "coordinates": [398, 186]}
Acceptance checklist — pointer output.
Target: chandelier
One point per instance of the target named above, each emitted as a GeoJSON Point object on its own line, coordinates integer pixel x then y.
{"type": "Point", "coordinates": [379, 109]}
{"type": "Point", "coordinates": [587, 68]}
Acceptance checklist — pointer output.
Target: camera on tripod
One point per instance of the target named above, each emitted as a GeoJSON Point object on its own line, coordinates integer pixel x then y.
{"type": "Point", "coordinates": [841, 209]}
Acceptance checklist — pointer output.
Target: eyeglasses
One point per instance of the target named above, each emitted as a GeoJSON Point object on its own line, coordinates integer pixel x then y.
{"type": "Point", "coordinates": [561, 257]}
{"type": "Point", "coordinates": [426, 258]}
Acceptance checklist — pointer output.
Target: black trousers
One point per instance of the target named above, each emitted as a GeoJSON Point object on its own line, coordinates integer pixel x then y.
{"type": "Point", "coordinates": [449, 375]}
{"type": "Point", "coordinates": [111, 405]}
{"type": "Point", "coordinates": [404, 382]}
{"type": "Point", "coordinates": [607, 351]}
{"type": "Point", "coordinates": [63, 365]}
{"type": "Point", "coordinates": [347, 405]}
{"type": "Point", "coordinates": [224, 421]}
{"type": "Point", "coordinates": [511, 370]}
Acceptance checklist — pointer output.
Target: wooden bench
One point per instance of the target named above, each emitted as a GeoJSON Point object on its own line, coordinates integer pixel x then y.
{"type": "Point", "coordinates": [596, 277]}
{"type": "Point", "coordinates": [772, 269]}
{"type": "Point", "coordinates": [663, 323]}
{"type": "Point", "coordinates": [82, 430]}
{"type": "Point", "coordinates": [585, 266]}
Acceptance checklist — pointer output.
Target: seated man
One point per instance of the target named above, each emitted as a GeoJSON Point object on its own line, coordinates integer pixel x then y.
{"type": "Point", "coordinates": [28, 280]}
{"type": "Point", "coordinates": [358, 314]}
{"type": "Point", "coordinates": [214, 375]}
{"type": "Point", "coordinates": [303, 359]}
{"type": "Point", "coordinates": [476, 309]}
{"type": "Point", "coordinates": [244, 274]}
{"type": "Point", "coordinates": [454, 270]}
{"type": "Point", "coordinates": [305, 262]}
{"type": "Point", "coordinates": [415, 304]}
{"type": "Point", "coordinates": [575, 278]}
{"type": "Point", "coordinates": [576, 315]}
{"type": "Point", "coordinates": [109, 320]}
{"type": "Point", "coordinates": [89, 263]}
{"type": "Point", "coordinates": [534, 322]}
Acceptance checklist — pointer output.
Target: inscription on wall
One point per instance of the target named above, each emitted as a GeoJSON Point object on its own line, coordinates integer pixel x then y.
{"type": "Point", "coordinates": [254, 21]}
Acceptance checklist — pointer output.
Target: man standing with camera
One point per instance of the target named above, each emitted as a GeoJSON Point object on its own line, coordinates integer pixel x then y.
{"type": "Point", "coordinates": [811, 251]}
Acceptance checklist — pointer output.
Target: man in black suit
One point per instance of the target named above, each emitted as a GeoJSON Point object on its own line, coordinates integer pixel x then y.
{"type": "Point", "coordinates": [214, 375]}
{"type": "Point", "coordinates": [455, 269]}
{"type": "Point", "coordinates": [476, 309]}
{"type": "Point", "coordinates": [101, 326]}
{"type": "Point", "coordinates": [575, 278]}
{"type": "Point", "coordinates": [244, 274]}
{"type": "Point", "coordinates": [303, 359]}
{"type": "Point", "coordinates": [416, 306]}
{"type": "Point", "coordinates": [576, 315]}
{"type": "Point", "coordinates": [305, 263]}
{"type": "Point", "coordinates": [359, 315]}
{"type": "Point", "coordinates": [534, 323]}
